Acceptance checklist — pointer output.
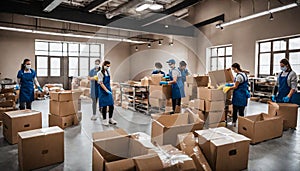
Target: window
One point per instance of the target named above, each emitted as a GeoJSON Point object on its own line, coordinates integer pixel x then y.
{"type": "Point", "coordinates": [220, 57]}
{"type": "Point", "coordinates": [271, 52]}
{"type": "Point", "coordinates": [42, 66]}
{"type": "Point", "coordinates": [55, 67]}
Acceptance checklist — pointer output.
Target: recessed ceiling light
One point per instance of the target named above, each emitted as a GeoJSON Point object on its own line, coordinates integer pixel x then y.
{"type": "Point", "coordinates": [156, 7]}
{"type": "Point", "coordinates": [142, 7]}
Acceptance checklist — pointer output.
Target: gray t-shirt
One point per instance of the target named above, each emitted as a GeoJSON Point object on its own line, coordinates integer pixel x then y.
{"type": "Point", "coordinates": [291, 80]}
{"type": "Point", "coordinates": [239, 77]}
{"type": "Point", "coordinates": [100, 75]}
{"type": "Point", "coordinates": [175, 72]}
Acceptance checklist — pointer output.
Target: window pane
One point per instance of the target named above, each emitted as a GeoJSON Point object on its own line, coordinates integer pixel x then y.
{"type": "Point", "coordinates": [265, 47]}
{"type": "Point", "coordinates": [295, 61]}
{"type": "Point", "coordinates": [65, 49]}
{"type": "Point", "coordinates": [279, 45]}
{"type": "Point", "coordinates": [41, 52]}
{"type": "Point", "coordinates": [265, 63]}
{"type": "Point", "coordinates": [55, 53]}
{"type": "Point", "coordinates": [221, 64]}
{"type": "Point", "coordinates": [73, 72]}
{"type": "Point", "coordinates": [214, 64]}
{"type": "Point", "coordinates": [214, 52]}
{"type": "Point", "coordinates": [229, 51]}
{"type": "Point", "coordinates": [41, 46]}
{"type": "Point", "coordinates": [73, 66]}
{"type": "Point", "coordinates": [84, 66]}
{"type": "Point", "coordinates": [221, 51]}
{"type": "Point", "coordinates": [294, 43]}
{"type": "Point", "coordinates": [84, 72]}
{"type": "Point", "coordinates": [92, 62]}
{"type": "Point", "coordinates": [55, 67]}
{"type": "Point", "coordinates": [84, 50]}
{"type": "Point", "coordinates": [42, 72]}
{"type": "Point", "coordinates": [228, 62]}
{"type": "Point", "coordinates": [276, 62]}
{"type": "Point", "coordinates": [42, 66]}
{"type": "Point", "coordinates": [95, 48]}
{"type": "Point", "coordinates": [73, 49]}
{"type": "Point", "coordinates": [56, 47]}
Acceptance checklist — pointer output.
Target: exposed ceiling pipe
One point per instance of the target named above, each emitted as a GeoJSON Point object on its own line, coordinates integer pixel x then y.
{"type": "Point", "coordinates": [51, 5]}
{"type": "Point", "coordinates": [124, 8]}
{"type": "Point", "coordinates": [100, 5]}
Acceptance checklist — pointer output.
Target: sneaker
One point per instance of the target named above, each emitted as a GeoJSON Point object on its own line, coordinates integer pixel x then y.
{"type": "Point", "coordinates": [94, 117]}
{"type": "Point", "coordinates": [105, 122]}
{"type": "Point", "coordinates": [112, 121]}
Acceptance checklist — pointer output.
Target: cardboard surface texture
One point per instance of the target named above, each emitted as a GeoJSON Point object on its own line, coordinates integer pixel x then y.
{"type": "Point", "coordinates": [199, 81]}
{"type": "Point", "coordinates": [63, 108]}
{"type": "Point", "coordinates": [40, 147]}
{"type": "Point", "coordinates": [210, 94]}
{"type": "Point", "coordinates": [214, 117]}
{"type": "Point", "coordinates": [8, 103]}
{"type": "Point", "coordinates": [148, 162]}
{"type": "Point", "coordinates": [63, 121]}
{"type": "Point", "coordinates": [220, 77]}
{"type": "Point", "coordinates": [64, 96]}
{"type": "Point", "coordinates": [155, 79]}
{"type": "Point", "coordinates": [5, 109]}
{"type": "Point", "coordinates": [260, 127]}
{"type": "Point", "coordinates": [21, 120]}
{"type": "Point", "coordinates": [288, 111]}
{"type": "Point", "coordinates": [160, 92]}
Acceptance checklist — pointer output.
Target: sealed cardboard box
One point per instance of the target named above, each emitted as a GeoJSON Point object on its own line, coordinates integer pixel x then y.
{"type": "Point", "coordinates": [216, 125]}
{"type": "Point", "coordinates": [160, 103]}
{"type": "Point", "coordinates": [5, 109]}
{"type": "Point", "coordinates": [252, 126]}
{"type": "Point", "coordinates": [165, 128]}
{"type": "Point", "coordinates": [62, 121]}
{"type": "Point", "coordinates": [40, 147]}
{"type": "Point", "coordinates": [213, 106]}
{"type": "Point", "coordinates": [21, 120]}
{"type": "Point", "coordinates": [64, 96]}
{"type": "Point", "coordinates": [63, 108]}
{"type": "Point", "coordinates": [148, 162]}
{"type": "Point", "coordinates": [210, 94]}
{"type": "Point", "coordinates": [155, 79]}
{"type": "Point", "coordinates": [160, 91]}
{"type": "Point", "coordinates": [288, 111]}
{"type": "Point", "coordinates": [214, 117]}
{"type": "Point", "coordinates": [224, 149]}
{"type": "Point", "coordinates": [221, 77]}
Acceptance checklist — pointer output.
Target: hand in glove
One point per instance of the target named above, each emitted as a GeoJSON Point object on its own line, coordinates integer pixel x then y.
{"type": "Point", "coordinates": [40, 89]}
{"type": "Point", "coordinates": [109, 92]}
{"type": "Point", "coordinates": [221, 87]}
{"type": "Point", "coordinates": [163, 83]}
{"type": "Point", "coordinates": [226, 89]}
{"type": "Point", "coordinates": [96, 78]}
{"type": "Point", "coordinates": [286, 99]}
{"type": "Point", "coordinates": [273, 98]}
{"type": "Point", "coordinates": [229, 84]}
{"type": "Point", "coordinates": [167, 77]}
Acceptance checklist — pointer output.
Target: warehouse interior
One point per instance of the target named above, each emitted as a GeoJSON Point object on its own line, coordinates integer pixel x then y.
{"type": "Point", "coordinates": [64, 38]}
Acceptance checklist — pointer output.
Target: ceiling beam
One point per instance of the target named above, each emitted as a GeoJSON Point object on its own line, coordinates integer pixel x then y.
{"type": "Point", "coordinates": [210, 21]}
{"type": "Point", "coordinates": [50, 5]}
{"type": "Point", "coordinates": [92, 6]}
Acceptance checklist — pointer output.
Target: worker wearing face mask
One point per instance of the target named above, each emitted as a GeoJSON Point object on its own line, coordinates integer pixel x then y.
{"type": "Point", "coordinates": [94, 86]}
{"type": "Point", "coordinates": [177, 84]}
{"type": "Point", "coordinates": [158, 67]}
{"type": "Point", "coordinates": [286, 84]}
{"type": "Point", "coordinates": [105, 95]}
{"type": "Point", "coordinates": [184, 71]}
{"type": "Point", "coordinates": [26, 79]}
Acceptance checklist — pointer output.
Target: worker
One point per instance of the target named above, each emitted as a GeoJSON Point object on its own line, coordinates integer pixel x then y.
{"type": "Point", "coordinates": [95, 87]}
{"type": "Point", "coordinates": [26, 80]}
{"type": "Point", "coordinates": [177, 84]}
{"type": "Point", "coordinates": [184, 71]}
{"type": "Point", "coordinates": [158, 67]}
{"type": "Point", "coordinates": [286, 84]}
{"type": "Point", "coordinates": [240, 92]}
{"type": "Point", "coordinates": [105, 94]}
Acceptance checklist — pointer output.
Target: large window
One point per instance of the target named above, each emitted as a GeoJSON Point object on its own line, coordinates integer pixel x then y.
{"type": "Point", "coordinates": [272, 51]}
{"type": "Point", "coordinates": [80, 57]}
{"type": "Point", "coordinates": [220, 57]}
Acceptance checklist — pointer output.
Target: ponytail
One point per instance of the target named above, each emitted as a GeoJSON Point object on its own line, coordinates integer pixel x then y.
{"type": "Point", "coordinates": [237, 66]}
{"type": "Point", "coordinates": [286, 62]}
{"type": "Point", "coordinates": [102, 69]}
{"type": "Point", "coordinates": [24, 63]}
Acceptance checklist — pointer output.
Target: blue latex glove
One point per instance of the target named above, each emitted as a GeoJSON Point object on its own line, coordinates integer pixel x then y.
{"type": "Point", "coordinates": [167, 77]}
{"type": "Point", "coordinates": [163, 83]}
{"type": "Point", "coordinates": [229, 84]}
{"type": "Point", "coordinates": [17, 87]}
{"type": "Point", "coordinates": [109, 92]}
{"type": "Point", "coordinates": [273, 98]}
{"type": "Point", "coordinates": [40, 89]}
{"type": "Point", "coordinates": [286, 99]}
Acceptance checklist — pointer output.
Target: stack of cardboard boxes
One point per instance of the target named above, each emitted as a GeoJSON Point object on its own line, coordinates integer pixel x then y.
{"type": "Point", "coordinates": [7, 101]}
{"type": "Point", "coordinates": [191, 85]}
{"type": "Point", "coordinates": [65, 109]}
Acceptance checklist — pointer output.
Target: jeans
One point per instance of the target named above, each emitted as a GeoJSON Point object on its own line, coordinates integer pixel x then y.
{"type": "Point", "coordinates": [94, 105]}
{"type": "Point", "coordinates": [104, 111]}
{"type": "Point", "coordinates": [22, 105]}
{"type": "Point", "coordinates": [236, 109]}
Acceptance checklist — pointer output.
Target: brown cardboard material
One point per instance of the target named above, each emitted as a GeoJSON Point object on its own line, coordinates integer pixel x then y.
{"type": "Point", "coordinates": [252, 126]}
{"type": "Point", "coordinates": [165, 128]}
{"type": "Point", "coordinates": [40, 147]}
{"type": "Point", "coordinates": [64, 96]}
{"type": "Point", "coordinates": [8, 103]}
{"type": "Point", "coordinates": [214, 117]}
{"type": "Point", "coordinates": [213, 106]}
{"type": "Point", "coordinates": [224, 149]}
{"type": "Point", "coordinates": [199, 81]}
{"type": "Point", "coordinates": [62, 121]}
{"type": "Point", "coordinates": [63, 108]}
{"type": "Point", "coordinates": [21, 120]}
{"type": "Point", "coordinates": [109, 134]}
{"type": "Point", "coordinates": [7, 90]}
{"type": "Point", "coordinates": [5, 109]}
{"type": "Point", "coordinates": [177, 109]}
{"type": "Point", "coordinates": [197, 112]}
{"type": "Point", "coordinates": [220, 77]}
{"type": "Point", "coordinates": [155, 79]}
{"type": "Point", "coordinates": [197, 104]}
{"type": "Point", "coordinates": [288, 111]}
{"type": "Point", "coordinates": [192, 104]}
{"type": "Point", "coordinates": [160, 91]}
{"type": "Point", "coordinates": [160, 103]}
{"type": "Point", "coordinates": [210, 94]}
{"type": "Point", "coordinates": [148, 162]}
{"type": "Point", "coordinates": [77, 118]}
{"type": "Point", "coordinates": [216, 125]}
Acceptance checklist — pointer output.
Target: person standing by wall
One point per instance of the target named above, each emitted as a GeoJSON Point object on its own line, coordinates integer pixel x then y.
{"type": "Point", "coordinates": [26, 79]}
{"type": "Point", "coordinates": [183, 70]}
{"type": "Point", "coordinates": [95, 87]}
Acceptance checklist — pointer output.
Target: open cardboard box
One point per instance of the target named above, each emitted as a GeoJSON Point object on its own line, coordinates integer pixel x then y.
{"type": "Point", "coordinates": [160, 91]}
{"type": "Point", "coordinates": [260, 127]}
{"type": "Point", "coordinates": [210, 94]}
{"type": "Point", "coordinates": [155, 79]}
{"type": "Point", "coordinates": [165, 128]}
{"type": "Point", "coordinates": [221, 77]}
{"type": "Point", "coordinates": [199, 81]}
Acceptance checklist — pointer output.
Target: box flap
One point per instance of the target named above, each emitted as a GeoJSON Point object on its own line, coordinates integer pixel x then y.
{"type": "Point", "coordinates": [22, 113]}
{"type": "Point", "coordinates": [148, 162]}
{"type": "Point", "coordinates": [109, 134]}
{"type": "Point", "coordinates": [125, 164]}
{"type": "Point", "coordinates": [40, 132]}
{"type": "Point", "coordinates": [220, 77]}
{"type": "Point", "coordinates": [173, 120]}
{"type": "Point", "coordinates": [187, 143]}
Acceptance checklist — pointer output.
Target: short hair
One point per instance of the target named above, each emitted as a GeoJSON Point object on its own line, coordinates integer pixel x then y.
{"type": "Point", "coordinates": [98, 60]}
{"type": "Point", "coordinates": [158, 65]}
{"type": "Point", "coordinates": [182, 63]}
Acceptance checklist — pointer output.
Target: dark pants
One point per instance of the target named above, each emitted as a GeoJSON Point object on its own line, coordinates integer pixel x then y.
{"type": "Point", "coordinates": [104, 111]}
{"type": "Point", "coordinates": [236, 109]}
{"type": "Point", "coordinates": [22, 105]}
{"type": "Point", "coordinates": [176, 102]}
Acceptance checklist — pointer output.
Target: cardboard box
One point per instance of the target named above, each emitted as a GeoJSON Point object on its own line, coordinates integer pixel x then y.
{"type": "Point", "coordinates": [165, 128]}
{"type": "Point", "coordinates": [215, 125]}
{"type": "Point", "coordinates": [220, 77]}
{"type": "Point", "coordinates": [113, 150]}
{"type": "Point", "coordinates": [5, 109]}
{"type": "Point", "coordinates": [185, 100]}
{"type": "Point", "coordinates": [148, 162]}
{"type": "Point", "coordinates": [214, 117]}
{"type": "Point", "coordinates": [40, 147]}
{"type": "Point", "coordinates": [64, 96]}
{"type": "Point", "coordinates": [62, 121]}
{"type": "Point", "coordinates": [8, 103]}
{"type": "Point", "coordinates": [199, 81]}
{"type": "Point", "coordinates": [213, 106]}
{"type": "Point", "coordinates": [288, 111]}
{"type": "Point", "coordinates": [197, 112]}
{"type": "Point", "coordinates": [224, 149]}
{"type": "Point", "coordinates": [145, 82]}
{"type": "Point", "coordinates": [63, 108]}
{"type": "Point", "coordinates": [252, 126]}
{"type": "Point", "coordinates": [155, 79]}
{"type": "Point", "coordinates": [21, 120]}
{"type": "Point", "coordinates": [160, 92]}
{"type": "Point", "coordinates": [160, 103]}
{"type": "Point", "coordinates": [210, 94]}
{"type": "Point", "coordinates": [7, 90]}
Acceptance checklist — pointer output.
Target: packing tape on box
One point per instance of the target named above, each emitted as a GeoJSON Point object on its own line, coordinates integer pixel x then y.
{"type": "Point", "coordinates": [227, 136]}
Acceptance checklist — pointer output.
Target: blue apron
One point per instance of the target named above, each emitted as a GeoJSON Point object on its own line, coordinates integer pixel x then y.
{"type": "Point", "coordinates": [26, 85]}
{"type": "Point", "coordinates": [178, 88]}
{"type": "Point", "coordinates": [183, 74]}
{"type": "Point", "coordinates": [94, 85]}
{"type": "Point", "coordinates": [105, 99]}
{"type": "Point", "coordinates": [158, 72]}
{"type": "Point", "coordinates": [283, 88]}
{"type": "Point", "coordinates": [241, 94]}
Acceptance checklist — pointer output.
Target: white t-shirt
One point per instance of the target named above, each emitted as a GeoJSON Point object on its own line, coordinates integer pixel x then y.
{"type": "Point", "coordinates": [292, 79]}
{"type": "Point", "coordinates": [239, 77]}
{"type": "Point", "coordinates": [100, 75]}
{"type": "Point", "coordinates": [176, 73]}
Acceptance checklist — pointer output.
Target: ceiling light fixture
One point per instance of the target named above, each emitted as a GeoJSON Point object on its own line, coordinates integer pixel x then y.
{"type": "Point", "coordinates": [142, 7]}
{"type": "Point", "coordinates": [156, 7]}
{"type": "Point", "coordinates": [257, 15]}
{"type": "Point", "coordinates": [159, 43]}
{"type": "Point", "coordinates": [171, 43]}
{"type": "Point", "coordinates": [271, 17]}
{"type": "Point", "coordinates": [136, 48]}
{"type": "Point", "coordinates": [149, 45]}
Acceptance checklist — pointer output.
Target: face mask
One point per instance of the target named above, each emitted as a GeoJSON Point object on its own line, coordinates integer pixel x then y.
{"type": "Point", "coordinates": [97, 66]}
{"type": "Point", "coordinates": [171, 66]}
{"type": "Point", "coordinates": [283, 68]}
{"type": "Point", "coordinates": [106, 67]}
{"type": "Point", "coordinates": [28, 66]}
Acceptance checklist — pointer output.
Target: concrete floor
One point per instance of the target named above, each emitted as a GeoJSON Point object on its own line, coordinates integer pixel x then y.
{"type": "Point", "coordinates": [274, 155]}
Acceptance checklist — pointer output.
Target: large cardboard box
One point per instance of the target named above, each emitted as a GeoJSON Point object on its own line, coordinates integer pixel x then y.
{"type": "Point", "coordinates": [155, 79]}
{"type": "Point", "coordinates": [8, 103]}
{"type": "Point", "coordinates": [210, 94]}
{"type": "Point", "coordinates": [63, 121]}
{"type": "Point", "coordinates": [113, 150]}
{"type": "Point", "coordinates": [21, 120]}
{"type": "Point", "coordinates": [224, 149]}
{"type": "Point", "coordinates": [199, 81]}
{"type": "Point", "coordinates": [40, 147]}
{"type": "Point", "coordinates": [215, 125]}
{"type": "Point", "coordinates": [165, 128]}
{"type": "Point", "coordinates": [160, 103]}
{"type": "Point", "coordinates": [64, 96]}
{"type": "Point", "coordinates": [260, 127]}
{"type": "Point", "coordinates": [63, 108]}
{"type": "Point", "coordinates": [220, 77]}
{"type": "Point", "coordinates": [7, 90]}
{"type": "Point", "coordinates": [213, 106]}
{"type": "Point", "coordinates": [160, 91]}
{"type": "Point", "coordinates": [196, 112]}
{"type": "Point", "coordinates": [5, 109]}
{"type": "Point", "coordinates": [148, 162]}
{"type": "Point", "coordinates": [288, 111]}
{"type": "Point", "coordinates": [214, 117]}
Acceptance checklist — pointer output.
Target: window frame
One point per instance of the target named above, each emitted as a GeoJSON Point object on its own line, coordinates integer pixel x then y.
{"type": "Point", "coordinates": [225, 56]}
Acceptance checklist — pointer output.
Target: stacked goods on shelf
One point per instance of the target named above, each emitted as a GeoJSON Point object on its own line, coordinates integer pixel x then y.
{"type": "Point", "coordinates": [21, 120]}
{"type": "Point", "coordinates": [40, 147]}
{"type": "Point", "coordinates": [7, 101]}
{"type": "Point", "coordinates": [65, 109]}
